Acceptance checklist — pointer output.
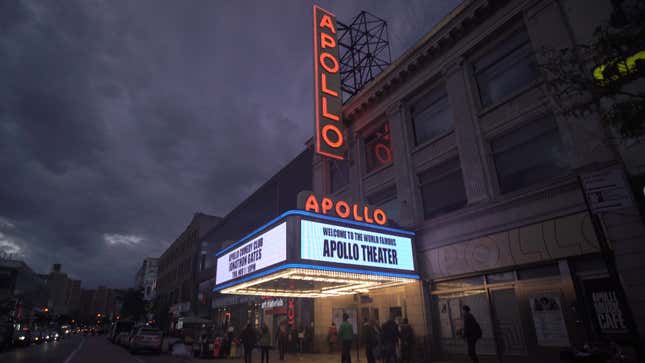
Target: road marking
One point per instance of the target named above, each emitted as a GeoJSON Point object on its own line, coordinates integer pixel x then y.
{"type": "Point", "coordinates": [139, 360]}
{"type": "Point", "coordinates": [73, 353]}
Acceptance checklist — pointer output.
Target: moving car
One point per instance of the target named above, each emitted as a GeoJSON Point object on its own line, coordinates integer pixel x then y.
{"type": "Point", "coordinates": [22, 338]}
{"type": "Point", "coordinates": [37, 337]}
{"type": "Point", "coordinates": [145, 338]}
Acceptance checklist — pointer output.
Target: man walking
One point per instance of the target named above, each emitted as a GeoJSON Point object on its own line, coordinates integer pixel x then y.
{"type": "Point", "coordinates": [407, 341]}
{"type": "Point", "coordinates": [346, 336]}
{"type": "Point", "coordinates": [249, 338]}
{"type": "Point", "coordinates": [370, 340]}
{"type": "Point", "coordinates": [472, 332]}
{"type": "Point", "coordinates": [283, 338]}
{"type": "Point", "coordinates": [389, 338]}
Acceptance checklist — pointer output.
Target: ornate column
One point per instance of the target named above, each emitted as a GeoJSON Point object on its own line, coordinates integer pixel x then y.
{"type": "Point", "coordinates": [467, 132]}
{"type": "Point", "coordinates": [405, 180]}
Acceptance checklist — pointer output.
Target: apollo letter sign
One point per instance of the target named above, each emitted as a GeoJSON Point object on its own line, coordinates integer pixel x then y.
{"type": "Point", "coordinates": [330, 130]}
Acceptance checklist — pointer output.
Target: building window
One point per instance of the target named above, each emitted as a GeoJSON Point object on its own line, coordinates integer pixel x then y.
{"type": "Point", "coordinates": [338, 174]}
{"type": "Point", "coordinates": [506, 69]}
{"type": "Point", "coordinates": [431, 116]}
{"type": "Point", "coordinates": [442, 189]}
{"type": "Point", "coordinates": [528, 155]}
{"type": "Point", "coordinates": [386, 199]}
{"type": "Point", "coordinates": [378, 149]}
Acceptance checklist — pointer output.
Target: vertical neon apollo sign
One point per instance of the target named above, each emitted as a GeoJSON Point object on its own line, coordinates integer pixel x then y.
{"type": "Point", "coordinates": [330, 130]}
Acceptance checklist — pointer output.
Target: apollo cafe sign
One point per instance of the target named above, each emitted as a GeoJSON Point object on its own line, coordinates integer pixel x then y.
{"type": "Point", "coordinates": [310, 202]}
{"type": "Point", "coordinates": [330, 130]}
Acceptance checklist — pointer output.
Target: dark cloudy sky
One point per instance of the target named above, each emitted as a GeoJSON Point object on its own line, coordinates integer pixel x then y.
{"type": "Point", "coordinates": [120, 119]}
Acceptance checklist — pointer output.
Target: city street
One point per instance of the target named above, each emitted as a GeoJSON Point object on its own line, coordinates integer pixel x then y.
{"type": "Point", "coordinates": [94, 349]}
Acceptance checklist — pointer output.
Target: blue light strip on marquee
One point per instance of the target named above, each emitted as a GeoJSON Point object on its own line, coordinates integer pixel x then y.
{"type": "Point", "coordinates": [314, 267]}
{"type": "Point", "coordinates": [313, 215]}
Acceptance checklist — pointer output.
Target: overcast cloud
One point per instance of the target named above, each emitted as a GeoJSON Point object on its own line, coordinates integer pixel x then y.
{"type": "Point", "coordinates": [120, 119]}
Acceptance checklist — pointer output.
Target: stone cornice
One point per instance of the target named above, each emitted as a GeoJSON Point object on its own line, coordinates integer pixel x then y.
{"type": "Point", "coordinates": [445, 35]}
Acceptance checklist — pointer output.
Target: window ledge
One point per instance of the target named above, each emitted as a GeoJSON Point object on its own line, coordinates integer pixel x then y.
{"type": "Point", "coordinates": [537, 187]}
{"type": "Point", "coordinates": [500, 202]}
{"type": "Point", "coordinates": [377, 170]}
{"type": "Point", "coordinates": [488, 109]}
{"type": "Point", "coordinates": [431, 141]}
{"type": "Point", "coordinates": [340, 191]}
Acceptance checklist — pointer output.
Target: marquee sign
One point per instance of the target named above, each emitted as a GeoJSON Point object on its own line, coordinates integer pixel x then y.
{"type": "Point", "coordinates": [304, 254]}
{"type": "Point", "coordinates": [354, 246]}
{"type": "Point", "coordinates": [330, 131]}
{"type": "Point", "coordinates": [262, 251]}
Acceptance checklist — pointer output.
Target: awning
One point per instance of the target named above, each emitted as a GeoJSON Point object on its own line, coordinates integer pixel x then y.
{"type": "Point", "coordinates": [303, 254]}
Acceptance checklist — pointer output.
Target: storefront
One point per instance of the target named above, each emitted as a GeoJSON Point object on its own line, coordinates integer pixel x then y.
{"type": "Point", "coordinates": [313, 267]}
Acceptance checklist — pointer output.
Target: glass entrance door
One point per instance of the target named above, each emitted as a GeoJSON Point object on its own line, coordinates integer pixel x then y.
{"type": "Point", "coordinates": [507, 322]}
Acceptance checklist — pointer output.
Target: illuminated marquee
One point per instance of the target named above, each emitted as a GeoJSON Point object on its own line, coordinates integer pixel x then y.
{"type": "Point", "coordinates": [321, 256]}
{"type": "Point", "coordinates": [330, 131]}
{"type": "Point", "coordinates": [262, 251]}
{"type": "Point", "coordinates": [353, 246]}
{"type": "Point", "coordinates": [342, 209]}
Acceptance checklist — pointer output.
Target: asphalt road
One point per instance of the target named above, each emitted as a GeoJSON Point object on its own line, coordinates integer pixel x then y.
{"type": "Point", "coordinates": [80, 349]}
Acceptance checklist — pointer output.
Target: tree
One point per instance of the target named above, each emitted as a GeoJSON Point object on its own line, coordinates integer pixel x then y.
{"type": "Point", "coordinates": [604, 76]}
{"type": "Point", "coordinates": [133, 304]}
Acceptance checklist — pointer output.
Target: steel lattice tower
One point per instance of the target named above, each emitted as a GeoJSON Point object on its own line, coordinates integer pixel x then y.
{"type": "Point", "coordinates": [365, 52]}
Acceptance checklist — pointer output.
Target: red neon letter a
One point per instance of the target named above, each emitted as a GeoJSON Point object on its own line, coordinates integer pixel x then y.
{"type": "Point", "coordinates": [326, 22]}
{"type": "Point", "coordinates": [311, 205]}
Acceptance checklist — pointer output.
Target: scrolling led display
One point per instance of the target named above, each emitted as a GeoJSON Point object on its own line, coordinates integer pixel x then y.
{"type": "Point", "coordinates": [330, 131]}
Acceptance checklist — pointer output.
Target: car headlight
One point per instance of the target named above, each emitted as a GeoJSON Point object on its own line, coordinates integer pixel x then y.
{"type": "Point", "coordinates": [37, 338]}
{"type": "Point", "coordinates": [47, 337]}
{"type": "Point", "coordinates": [56, 335]}
{"type": "Point", "coordinates": [21, 337]}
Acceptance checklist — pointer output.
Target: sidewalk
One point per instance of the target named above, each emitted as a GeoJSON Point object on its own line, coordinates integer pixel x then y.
{"type": "Point", "coordinates": [291, 358]}
{"type": "Point", "coordinates": [300, 358]}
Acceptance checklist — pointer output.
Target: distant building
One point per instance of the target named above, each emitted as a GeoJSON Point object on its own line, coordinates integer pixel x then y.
{"type": "Point", "coordinates": [73, 296]}
{"type": "Point", "coordinates": [64, 292]}
{"type": "Point", "coordinates": [104, 301]}
{"type": "Point", "coordinates": [22, 291]}
{"type": "Point", "coordinates": [146, 278]}
{"type": "Point", "coordinates": [176, 285]}
{"type": "Point", "coordinates": [87, 296]}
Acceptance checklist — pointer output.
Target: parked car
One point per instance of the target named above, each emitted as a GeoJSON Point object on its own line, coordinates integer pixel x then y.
{"type": "Point", "coordinates": [122, 338]}
{"type": "Point", "coordinates": [6, 334]}
{"type": "Point", "coordinates": [146, 339]}
{"type": "Point", "coordinates": [119, 327]}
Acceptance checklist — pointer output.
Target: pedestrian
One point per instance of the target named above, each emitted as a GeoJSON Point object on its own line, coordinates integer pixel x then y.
{"type": "Point", "coordinates": [249, 339]}
{"type": "Point", "coordinates": [283, 338]}
{"type": "Point", "coordinates": [309, 338]}
{"type": "Point", "coordinates": [265, 343]}
{"type": "Point", "coordinates": [230, 334]}
{"type": "Point", "coordinates": [332, 336]}
{"type": "Point", "coordinates": [301, 339]}
{"type": "Point", "coordinates": [406, 338]}
{"type": "Point", "coordinates": [471, 333]}
{"type": "Point", "coordinates": [203, 344]}
{"type": "Point", "coordinates": [370, 340]}
{"type": "Point", "coordinates": [389, 339]}
{"type": "Point", "coordinates": [346, 333]}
